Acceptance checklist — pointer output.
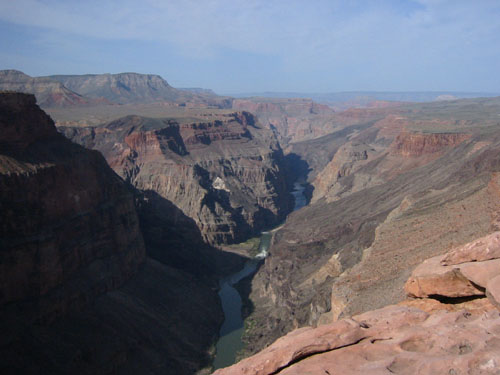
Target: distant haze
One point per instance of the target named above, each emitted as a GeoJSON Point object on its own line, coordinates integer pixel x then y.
{"type": "Point", "coordinates": [366, 97]}
{"type": "Point", "coordinates": [234, 46]}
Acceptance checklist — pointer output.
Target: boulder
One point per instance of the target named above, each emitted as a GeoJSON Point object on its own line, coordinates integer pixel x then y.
{"type": "Point", "coordinates": [431, 278]}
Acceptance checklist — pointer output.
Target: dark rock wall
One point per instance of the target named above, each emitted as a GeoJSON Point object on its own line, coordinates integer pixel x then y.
{"type": "Point", "coordinates": [77, 292]}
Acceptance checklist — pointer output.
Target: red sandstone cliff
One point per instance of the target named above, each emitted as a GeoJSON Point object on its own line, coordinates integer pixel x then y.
{"type": "Point", "coordinates": [418, 144]}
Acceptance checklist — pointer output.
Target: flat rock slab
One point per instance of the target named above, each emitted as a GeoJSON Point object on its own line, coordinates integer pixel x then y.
{"type": "Point", "coordinates": [432, 278]}
{"type": "Point", "coordinates": [296, 345]}
{"type": "Point", "coordinates": [484, 248]}
{"type": "Point", "coordinates": [395, 339]}
{"type": "Point", "coordinates": [480, 272]}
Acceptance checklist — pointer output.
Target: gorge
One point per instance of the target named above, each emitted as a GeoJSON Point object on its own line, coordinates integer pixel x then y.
{"type": "Point", "coordinates": [229, 342]}
{"type": "Point", "coordinates": [113, 232]}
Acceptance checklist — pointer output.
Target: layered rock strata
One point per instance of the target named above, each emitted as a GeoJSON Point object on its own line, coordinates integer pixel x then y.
{"type": "Point", "coordinates": [77, 292]}
{"type": "Point", "coordinates": [228, 175]}
{"type": "Point", "coordinates": [291, 120]}
{"type": "Point", "coordinates": [345, 256]}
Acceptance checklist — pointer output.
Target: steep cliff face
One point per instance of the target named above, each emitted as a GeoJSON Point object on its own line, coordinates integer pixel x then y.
{"type": "Point", "coordinates": [341, 257]}
{"type": "Point", "coordinates": [291, 120]}
{"type": "Point", "coordinates": [408, 150]}
{"type": "Point", "coordinates": [49, 93]}
{"type": "Point", "coordinates": [69, 227]}
{"type": "Point", "coordinates": [349, 158]}
{"type": "Point", "coordinates": [417, 144]}
{"type": "Point", "coordinates": [226, 174]}
{"type": "Point", "coordinates": [77, 292]}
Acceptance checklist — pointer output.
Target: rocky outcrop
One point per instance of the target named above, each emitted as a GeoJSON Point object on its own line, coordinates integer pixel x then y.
{"type": "Point", "coordinates": [226, 174]}
{"type": "Point", "coordinates": [417, 144]}
{"type": "Point", "coordinates": [395, 340]}
{"type": "Point", "coordinates": [69, 227]}
{"type": "Point", "coordinates": [126, 88]}
{"type": "Point", "coordinates": [448, 337]}
{"type": "Point", "coordinates": [291, 120]}
{"type": "Point", "coordinates": [462, 272]}
{"type": "Point", "coordinates": [48, 92]}
{"type": "Point", "coordinates": [77, 292]}
{"type": "Point", "coordinates": [482, 249]}
{"type": "Point", "coordinates": [349, 158]}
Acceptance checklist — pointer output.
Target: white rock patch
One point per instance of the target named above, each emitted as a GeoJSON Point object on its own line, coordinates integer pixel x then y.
{"type": "Point", "coordinates": [219, 184]}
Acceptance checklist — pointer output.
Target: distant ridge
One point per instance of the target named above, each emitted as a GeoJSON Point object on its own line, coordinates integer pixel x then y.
{"type": "Point", "coordinates": [127, 88]}
{"type": "Point", "coordinates": [365, 97]}
{"type": "Point", "coordinates": [122, 88]}
{"type": "Point", "coordinates": [60, 91]}
{"type": "Point", "coordinates": [49, 93]}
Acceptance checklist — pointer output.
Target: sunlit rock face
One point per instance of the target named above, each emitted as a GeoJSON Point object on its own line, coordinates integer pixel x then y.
{"type": "Point", "coordinates": [388, 193]}
{"type": "Point", "coordinates": [227, 174]}
{"type": "Point", "coordinates": [423, 335]}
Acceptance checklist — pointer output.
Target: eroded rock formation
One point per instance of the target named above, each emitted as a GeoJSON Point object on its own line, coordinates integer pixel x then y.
{"type": "Point", "coordinates": [226, 173]}
{"type": "Point", "coordinates": [78, 294]}
{"type": "Point", "coordinates": [126, 88]}
{"type": "Point", "coordinates": [389, 212]}
{"type": "Point", "coordinates": [291, 119]}
{"type": "Point", "coordinates": [418, 144]}
{"type": "Point", "coordinates": [416, 337]}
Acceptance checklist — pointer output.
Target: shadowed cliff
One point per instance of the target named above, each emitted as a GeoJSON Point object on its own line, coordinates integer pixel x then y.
{"type": "Point", "coordinates": [79, 290]}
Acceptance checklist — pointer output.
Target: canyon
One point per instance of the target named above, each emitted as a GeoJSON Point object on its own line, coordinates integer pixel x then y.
{"type": "Point", "coordinates": [418, 336]}
{"type": "Point", "coordinates": [224, 171]}
{"type": "Point", "coordinates": [126, 232]}
{"type": "Point", "coordinates": [376, 213]}
{"type": "Point", "coordinates": [83, 285]}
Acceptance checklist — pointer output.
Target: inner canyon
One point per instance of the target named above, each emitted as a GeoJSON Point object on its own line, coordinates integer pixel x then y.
{"type": "Point", "coordinates": [146, 229]}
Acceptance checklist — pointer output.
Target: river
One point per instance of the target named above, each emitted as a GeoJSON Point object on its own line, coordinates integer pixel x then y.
{"type": "Point", "coordinates": [231, 331]}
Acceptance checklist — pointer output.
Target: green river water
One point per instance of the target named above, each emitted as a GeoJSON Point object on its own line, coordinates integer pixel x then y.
{"type": "Point", "coordinates": [231, 331]}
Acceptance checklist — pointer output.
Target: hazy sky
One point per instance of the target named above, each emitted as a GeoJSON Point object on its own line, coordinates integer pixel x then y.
{"type": "Point", "coordinates": [253, 45]}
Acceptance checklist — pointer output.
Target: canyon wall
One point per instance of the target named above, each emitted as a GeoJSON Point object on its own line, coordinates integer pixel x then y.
{"type": "Point", "coordinates": [290, 119]}
{"type": "Point", "coordinates": [225, 173]}
{"type": "Point", "coordinates": [79, 291]}
{"type": "Point", "coordinates": [378, 213]}
{"type": "Point", "coordinates": [65, 215]}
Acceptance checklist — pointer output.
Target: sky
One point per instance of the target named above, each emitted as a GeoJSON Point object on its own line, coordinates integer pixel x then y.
{"type": "Point", "coordinates": [242, 46]}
